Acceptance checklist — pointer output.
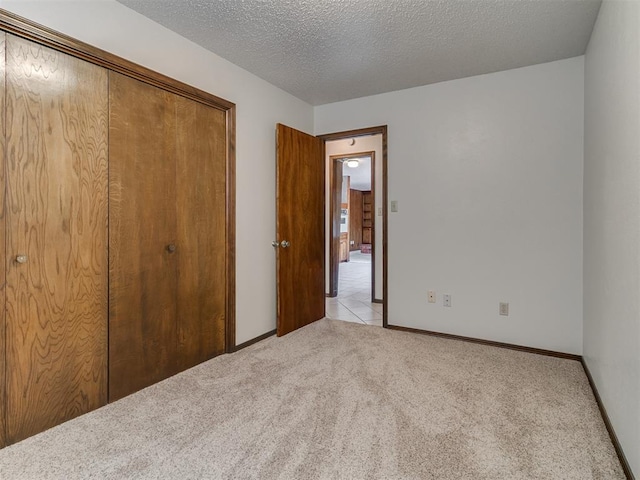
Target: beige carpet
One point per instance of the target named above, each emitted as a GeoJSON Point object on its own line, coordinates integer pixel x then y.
{"type": "Point", "coordinates": [340, 400]}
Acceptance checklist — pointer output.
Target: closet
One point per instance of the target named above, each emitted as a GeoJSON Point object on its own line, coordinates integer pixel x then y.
{"type": "Point", "coordinates": [167, 234]}
{"type": "Point", "coordinates": [117, 223]}
{"type": "Point", "coordinates": [55, 229]}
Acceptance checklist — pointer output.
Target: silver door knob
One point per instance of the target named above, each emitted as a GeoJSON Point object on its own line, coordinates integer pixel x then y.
{"type": "Point", "coordinates": [284, 244]}
{"type": "Point", "coordinates": [275, 244]}
{"type": "Point", "coordinates": [171, 248]}
{"type": "Point", "coordinates": [21, 259]}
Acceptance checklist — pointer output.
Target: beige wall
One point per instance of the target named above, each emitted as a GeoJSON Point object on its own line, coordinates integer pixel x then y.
{"type": "Point", "coordinates": [612, 218]}
{"type": "Point", "coordinates": [487, 172]}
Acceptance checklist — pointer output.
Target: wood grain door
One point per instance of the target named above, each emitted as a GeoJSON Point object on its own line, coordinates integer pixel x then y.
{"type": "Point", "coordinates": [300, 222]}
{"type": "Point", "coordinates": [56, 260]}
{"type": "Point", "coordinates": [201, 193]}
{"type": "Point", "coordinates": [3, 122]}
{"type": "Point", "coordinates": [142, 235]}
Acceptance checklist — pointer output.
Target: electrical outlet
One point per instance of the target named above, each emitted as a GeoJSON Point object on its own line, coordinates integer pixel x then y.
{"type": "Point", "coordinates": [446, 300]}
{"type": "Point", "coordinates": [504, 309]}
{"type": "Point", "coordinates": [432, 296]}
{"type": "Point", "coordinates": [394, 205]}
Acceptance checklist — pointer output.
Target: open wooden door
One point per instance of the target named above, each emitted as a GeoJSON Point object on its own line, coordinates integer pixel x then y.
{"type": "Point", "coordinates": [300, 172]}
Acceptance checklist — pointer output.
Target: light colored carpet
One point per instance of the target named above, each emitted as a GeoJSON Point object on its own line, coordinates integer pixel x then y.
{"type": "Point", "coordinates": [340, 400]}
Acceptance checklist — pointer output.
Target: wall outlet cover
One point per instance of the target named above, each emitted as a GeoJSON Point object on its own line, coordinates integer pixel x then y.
{"type": "Point", "coordinates": [446, 300]}
{"type": "Point", "coordinates": [432, 296]}
{"type": "Point", "coordinates": [504, 308]}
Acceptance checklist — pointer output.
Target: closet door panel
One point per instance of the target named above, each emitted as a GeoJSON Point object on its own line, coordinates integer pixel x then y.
{"type": "Point", "coordinates": [142, 226]}
{"type": "Point", "coordinates": [56, 260]}
{"type": "Point", "coordinates": [3, 123]}
{"type": "Point", "coordinates": [200, 201]}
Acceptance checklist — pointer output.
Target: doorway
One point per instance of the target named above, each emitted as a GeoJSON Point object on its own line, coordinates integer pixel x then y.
{"type": "Point", "coordinates": [352, 220]}
{"type": "Point", "coordinates": [356, 225]}
{"type": "Point", "coordinates": [351, 233]}
{"type": "Point", "coordinates": [301, 223]}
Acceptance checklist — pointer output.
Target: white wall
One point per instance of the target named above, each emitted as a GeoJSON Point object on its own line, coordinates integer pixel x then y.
{"type": "Point", "coordinates": [612, 218]}
{"type": "Point", "coordinates": [115, 28]}
{"type": "Point", "coordinates": [371, 143]}
{"type": "Point", "coordinates": [487, 172]}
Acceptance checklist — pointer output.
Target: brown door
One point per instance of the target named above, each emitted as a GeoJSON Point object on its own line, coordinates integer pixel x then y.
{"type": "Point", "coordinates": [3, 121]}
{"type": "Point", "coordinates": [142, 230]}
{"type": "Point", "coordinates": [300, 229]}
{"type": "Point", "coordinates": [56, 278]}
{"type": "Point", "coordinates": [201, 184]}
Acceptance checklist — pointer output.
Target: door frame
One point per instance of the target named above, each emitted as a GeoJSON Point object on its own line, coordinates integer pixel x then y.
{"type": "Point", "coordinates": [364, 132]}
{"type": "Point", "coordinates": [334, 218]}
{"type": "Point", "coordinates": [334, 253]}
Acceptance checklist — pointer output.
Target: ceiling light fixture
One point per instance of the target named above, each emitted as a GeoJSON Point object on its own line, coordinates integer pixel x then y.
{"type": "Point", "coordinates": [353, 163]}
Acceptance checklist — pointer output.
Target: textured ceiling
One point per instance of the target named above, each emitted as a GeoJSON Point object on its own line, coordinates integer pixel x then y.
{"type": "Point", "coordinates": [324, 51]}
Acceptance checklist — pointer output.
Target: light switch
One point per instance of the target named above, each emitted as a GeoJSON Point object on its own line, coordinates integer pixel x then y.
{"type": "Point", "coordinates": [379, 211]}
{"type": "Point", "coordinates": [394, 205]}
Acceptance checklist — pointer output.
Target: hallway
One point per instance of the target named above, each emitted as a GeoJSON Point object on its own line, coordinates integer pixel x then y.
{"type": "Point", "coordinates": [353, 303]}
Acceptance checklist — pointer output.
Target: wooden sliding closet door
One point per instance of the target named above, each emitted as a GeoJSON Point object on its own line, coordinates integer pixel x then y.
{"type": "Point", "coordinates": [3, 123]}
{"type": "Point", "coordinates": [56, 218]}
{"type": "Point", "coordinates": [200, 204]}
{"type": "Point", "coordinates": [142, 229]}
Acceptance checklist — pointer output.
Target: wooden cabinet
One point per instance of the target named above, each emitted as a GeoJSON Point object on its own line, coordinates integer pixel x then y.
{"type": "Point", "coordinates": [366, 236]}
{"type": "Point", "coordinates": [355, 220]}
{"type": "Point", "coordinates": [167, 236]}
{"type": "Point", "coordinates": [345, 236]}
{"type": "Point", "coordinates": [117, 226]}
{"type": "Point", "coordinates": [367, 212]}
{"type": "Point", "coordinates": [56, 238]}
{"type": "Point", "coordinates": [344, 247]}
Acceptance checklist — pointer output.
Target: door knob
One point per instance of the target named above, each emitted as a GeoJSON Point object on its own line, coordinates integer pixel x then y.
{"type": "Point", "coordinates": [171, 247]}
{"type": "Point", "coordinates": [21, 259]}
{"type": "Point", "coordinates": [275, 244]}
{"type": "Point", "coordinates": [284, 244]}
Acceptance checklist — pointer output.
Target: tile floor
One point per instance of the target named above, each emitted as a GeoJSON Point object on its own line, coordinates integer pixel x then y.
{"type": "Point", "coordinates": [353, 303]}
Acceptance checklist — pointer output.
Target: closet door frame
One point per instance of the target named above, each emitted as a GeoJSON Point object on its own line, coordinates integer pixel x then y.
{"type": "Point", "coordinates": [16, 25]}
{"type": "Point", "coordinates": [3, 272]}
